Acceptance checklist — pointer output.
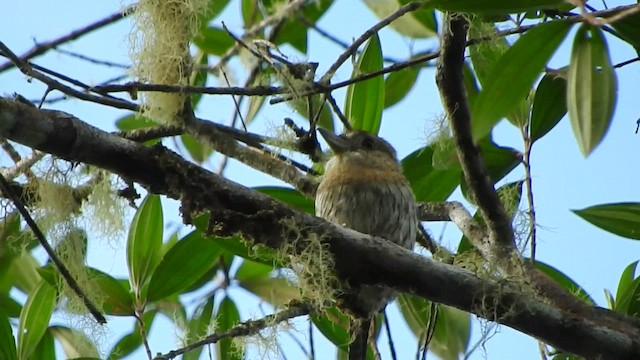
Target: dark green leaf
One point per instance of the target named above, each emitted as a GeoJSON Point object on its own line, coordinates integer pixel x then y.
{"type": "Point", "coordinates": [452, 333]}
{"type": "Point", "coordinates": [592, 88]}
{"type": "Point", "coordinates": [398, 84]}
{"type": "Point", "coordinates": [46, 348]}
{"type": "Point", "coordinates": [626, 278]}
{"type": "Point", "coordinates": [514, 74]}
{"type": "Point", "coordinates": [549, 105]}
{"type": "Point", "coordinates": [429, 184]}
{"type": "Point", "coordinates": [9, 306]}
{"type": "Point", "coordinates": [416, 312]}
{"type": "Point", "coordinates": [197, 327]}
{"type": "Point", "coordinates": [74, 343]}
{"type": "Point", "coordinates": [333, 325]}
{"type": "Point", "coordinates": [215, 8]}
{"type": "Point", "coordinates": [199, 152]}
{"type": "Point", "coordinates": [7, 341]}
{"type": "Point", "coordinates": [34, 318]}
{"type": "Point", "coordinates": [628, 29]}
{"type": "Point", "coordinates": [470, 84]}
{"type": "Point", "coordinates": [118, 300]}
{"type": "Point", "coordinates": [213, 40]}
{"type": "Point", "coordinates": [132, 341]}
{"type": "Point", "coordinates": [227, 317]}
{"type": "Point", "coordinates": [622, 219]}
{"type": "Point", "coordinates": [626, 301]}
{"type": "Point", "coordinates": [194, 255]}
{"type": "Point", "coordinates": [289, 196]}
{"type": "Point", "coordinates": [251, 13]}
{"type": "Point", "coordinates": [494, 6]}
{"type": "Point", "coordinates": [365, 99]}
{"type": "Point", "coordinates": [564, 281]}
{"type": "Point", "coordinates": [144, 245]}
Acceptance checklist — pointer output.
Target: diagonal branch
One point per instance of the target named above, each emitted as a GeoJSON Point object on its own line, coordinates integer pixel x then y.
{"type": "Point", "coordinates": [449, 78]}
{"type": "Point", "coordinates": [590, 332]}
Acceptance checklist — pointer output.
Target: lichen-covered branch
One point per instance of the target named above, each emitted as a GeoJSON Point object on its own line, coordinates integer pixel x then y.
{"type": "Point", "coordinates": [586, 331]}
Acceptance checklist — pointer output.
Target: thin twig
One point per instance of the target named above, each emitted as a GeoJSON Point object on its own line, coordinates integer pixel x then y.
{"type": "Point", "coordinates": [387, 327]}
{"type": "Point", "coordinates": [42, 48]}
{"type": "Point", "coordinates": [246, 328]}
{"type": "Point", "coordinates": [92, 60]}
{"type": "Point", "coordinates": [528, 180]}
{"type": "Point", "coordinates": [64, 272]}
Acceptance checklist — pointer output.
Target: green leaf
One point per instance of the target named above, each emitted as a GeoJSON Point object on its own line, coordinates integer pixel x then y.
{"type": "Point", "coordinates": [513, 76]}
{"type": "Point", "coordinates": [499, 160]}
{"type": "Point", "coordinates": [494, 6]}
{"type": "Point", "coordinates": [628, 29]}
{"type": "Point", "coordinates": [34, 318]}
{"type": "Point", "coordinates": [451, 334]}
{"type": "Point", "coordinates": [289, 196]}
{"type": "Point", "coordinates": [251, 270]}
{"type": "Point", "coordinates": [420, 23]}
{"type": "Point", "coordinates": [628, 286]}
{"type": "Point", "coordinates": [24, 273]}
{"type": "Point", "coordinates": [275, 291]}
{"type": "Point", "coordinates": [9, 306]}
{"type": "Point", "coordinates": [428, 183]}
{"type": "Point", "coordinates": [199, 152]}
{"type": "Point", "coordinates": [45, 349]}
{"type": "Point", "coordinates": [626, 278]}
{"type": "Point", "coordinates": [256, 102]}
{"type": "Point", "coordinates": [302, 107]}
{"type": "Point", "coordinates": [398, 84]}
{"type": "Point", "coordinates": [470, 84]}
{"type": "Point", "coordinates": [194, 255]}
{"type": "Point", "coordinates": [144, 245]}
{"type": "Point", "coordinates": [215, 8]}
{"type": "Point", "coordinates": [592, 88]}
{"type": "Point", "coordinates": [132, 341]}
{"type": "Point", "coordinates": [549, 105]}
{"type": "Point", "coordinates": [228, 317]}
{"type": "Point", "coordinates": [134, 122]}
{"type": "Point", "coordinates": [622, 219]}
{"type": "Point", "coordinates": [199, 76]}
{"type": "Point", "coordinates": [365, 99]}
{"type": "Point", "coordinates": [416, 312]}
{"type": "Point", "coordinates": [7, 341]}
{"type": "Point", "coordinates": [118, 300]}
{"type": "Point", "coordinates": [251, 13]}
{"type": "Point", "coordinates": [197, 327]}
{"type": "Point", "coordinates": [213, 40]}
{"type": "Point", "coordinates": [333, 325]}
{"type": "Point", "coordinates": [74, 343]}
{"type": "Point", "coordinates": [564, 281]}
{"type": "Point", "coordinates": [485, 54]}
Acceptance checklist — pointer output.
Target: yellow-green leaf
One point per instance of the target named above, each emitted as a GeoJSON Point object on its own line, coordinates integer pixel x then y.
{"type": "Point", "coordinates": [622, 219]}
{"type": "Point", "coordinates": [365, 99]}
{"type": "Point", "coordinates": [34, 318]}
{"type": "Point", "coordinates": [592, 87]}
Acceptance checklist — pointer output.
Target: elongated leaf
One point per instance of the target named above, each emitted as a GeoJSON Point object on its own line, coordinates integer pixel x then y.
{"type": "Point", "coordinates": [228, 316]}
{"type": "Point", "coordinates": [194, 255]}
{"type": "Point", "coordinates": [565, 281]}
{"type": "Point", "coordinates": [252, 270]}
{"type": "Point", "coordinates": [333, 325]}
{"type": "Point", "coordinates": [131, 341]}
{"type": "Point", "coordinates": [197, 327]}
{"type": "Point", "coordinates": [627, 288]}
{"type": "Point", "coordinates": [365, 99]}
{"type": "Point", "coordinates": [46, 348]}
{"type": "Point", "coordinates": [416, 24]}
{"type": "Point", "coordinates": [289, 196]}
{"type": "Point", "coordinates": [118, 300]}
{"type": "Point", "coordinates": [592, 87]}
{"type": "Point", "coordinates": [416, 312]}
{"type": "Point", "coordinates": [34, 318]}
{"type": "Point", "coordinates": [513, 76]}
{"type": "Point", "coordinates": [494, 6]}
{"type": "Point", "coordinates": [628, 29]}
{"type": "Point", "coordinates": [628, 274]}
{"type": "Point", "coordinates": [275, 291]}
{"type": "Point", "coordinates": [7, 341]}
{"type": "Point", "coordinates": [428, 183]}
{"type": "Point", "coordinates": [549, 105]}
{"type": "Point", "coordinates": [213, 40]}
{"type": "Point", "coordinates": [74, 343]}
{"type": "Point", "coordinates": [622, 219]}
{"type": "Point", "coordinates": [398, 84]}
{"type": "Point", "coordinates": [451, 334]}
{"type": "Point", "coordinates": [144, 246]}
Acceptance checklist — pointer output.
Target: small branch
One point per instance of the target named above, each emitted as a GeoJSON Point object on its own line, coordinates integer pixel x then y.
{"type": "Point", "coordinates": [414, 5]}
{"type": "Point", "coordinates": [449, 78]}
{"type": "Point", "coordinates": [42, 48]}
{"type": "Point", "coordinates": [133, 87]}
{"type": "Point", "coordinates": [246, 328]}
{"type": "Point", "coordinates": [62, 269]}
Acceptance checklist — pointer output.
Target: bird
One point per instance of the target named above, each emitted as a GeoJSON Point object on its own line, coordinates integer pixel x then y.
{"type": "Point", "coordinates": [363, 188]}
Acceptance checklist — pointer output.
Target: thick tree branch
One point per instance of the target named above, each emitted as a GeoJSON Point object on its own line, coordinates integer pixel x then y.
{"type": "Point", "coordinates": [589, 332]}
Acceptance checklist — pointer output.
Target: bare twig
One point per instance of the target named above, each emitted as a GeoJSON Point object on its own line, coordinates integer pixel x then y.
{"type": "Point", "coordinates": [62, 269]}
{"type": "Point", "coordinates": [246, 328]}
{"type": "Point", "coordinates": [42, 48]}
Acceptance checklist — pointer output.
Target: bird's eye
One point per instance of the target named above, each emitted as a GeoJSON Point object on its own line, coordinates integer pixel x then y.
{"type": "Point", "coordinates": [368, 144]}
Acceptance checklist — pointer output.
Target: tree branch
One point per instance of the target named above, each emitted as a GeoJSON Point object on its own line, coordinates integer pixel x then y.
{"type": "Point", "coordinates": [589, 332]}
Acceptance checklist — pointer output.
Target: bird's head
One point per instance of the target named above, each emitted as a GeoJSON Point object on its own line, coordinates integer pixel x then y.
{"type": "Point", "coordinates": [357, 148]}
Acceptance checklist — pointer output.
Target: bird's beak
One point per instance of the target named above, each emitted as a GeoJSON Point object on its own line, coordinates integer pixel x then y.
{"type": "Point", "coordinates": [337, 143]}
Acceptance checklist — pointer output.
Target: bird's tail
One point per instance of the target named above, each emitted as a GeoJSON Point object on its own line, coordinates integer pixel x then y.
{"type": "Point", "coordinates": [359, 331]}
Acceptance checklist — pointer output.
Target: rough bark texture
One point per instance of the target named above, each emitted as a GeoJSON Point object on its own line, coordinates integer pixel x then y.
{"type": "Point", "coordinates": [596, 333]}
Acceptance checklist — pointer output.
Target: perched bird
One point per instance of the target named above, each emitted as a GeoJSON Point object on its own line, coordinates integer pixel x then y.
{"type": "Point", "coordinates": [363, 188]}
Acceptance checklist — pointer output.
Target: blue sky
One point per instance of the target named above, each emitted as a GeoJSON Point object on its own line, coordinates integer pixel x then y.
{"type": "Point", "coordinates": [562, 178]}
